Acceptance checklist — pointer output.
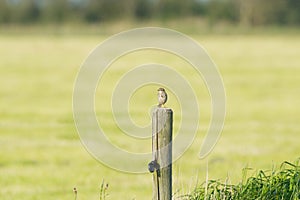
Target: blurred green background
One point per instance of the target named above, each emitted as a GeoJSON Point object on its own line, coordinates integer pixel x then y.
{"type": "Point", "coordinates": [252, 13]}
{"type": "Point", "coordinates": [255, 45]}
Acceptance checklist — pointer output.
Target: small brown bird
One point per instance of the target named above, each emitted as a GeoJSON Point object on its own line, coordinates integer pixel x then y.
{"type": "Point", "coordinates": [162, 97]}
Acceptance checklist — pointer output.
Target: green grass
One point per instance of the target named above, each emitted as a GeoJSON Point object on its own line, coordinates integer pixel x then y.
{"type": "Point", "coordinates": [273, 185]}
{"type": "Point", "coordinates": [41, 156]}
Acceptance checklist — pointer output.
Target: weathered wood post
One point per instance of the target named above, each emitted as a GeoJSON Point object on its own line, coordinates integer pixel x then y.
{"type": "Point", "coordinates": [161, 166]}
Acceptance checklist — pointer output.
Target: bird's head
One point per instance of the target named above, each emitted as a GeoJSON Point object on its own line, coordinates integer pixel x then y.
{"type": "Point", "coordinates": [161, 89]}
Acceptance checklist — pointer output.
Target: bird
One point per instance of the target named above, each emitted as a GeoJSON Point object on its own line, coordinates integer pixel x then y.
{"type": "Point", "coordinates": [162, 97]}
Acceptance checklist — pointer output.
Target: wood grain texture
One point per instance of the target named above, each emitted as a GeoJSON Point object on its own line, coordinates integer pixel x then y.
{"type": "Point", "coordinates": [162, 125]}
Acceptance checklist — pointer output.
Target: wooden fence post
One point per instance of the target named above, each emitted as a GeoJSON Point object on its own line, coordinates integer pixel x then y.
{"type": "Point", "coordinates": [161, 166]}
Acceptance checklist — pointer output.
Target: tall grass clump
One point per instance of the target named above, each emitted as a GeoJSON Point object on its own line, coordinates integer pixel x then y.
{"type": "Point", "coordinates": [281, 184]}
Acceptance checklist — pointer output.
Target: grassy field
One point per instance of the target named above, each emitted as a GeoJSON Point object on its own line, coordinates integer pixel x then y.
{"type": "Point", "coordinates": [41, 156]}
{"type": "Point", "coordinates": [279, 183]}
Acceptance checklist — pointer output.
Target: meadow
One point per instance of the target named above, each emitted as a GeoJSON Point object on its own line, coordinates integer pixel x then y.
{"type": "Point", "coordinates": [41, 156]}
